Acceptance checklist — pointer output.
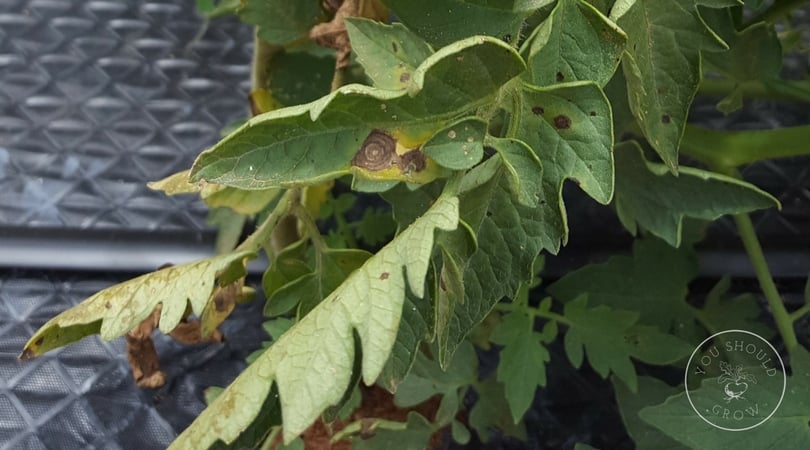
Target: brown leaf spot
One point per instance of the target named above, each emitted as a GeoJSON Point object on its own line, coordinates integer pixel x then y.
{"type": "Point", "coordinates": [39, 341]}
{"type": "Point", "coordinates": [593, 113]}
{"type": "Point", "coordinates": [377, 152]}
{"type": "Point", "coordinates": [405, 77]}
{"type": "Point", "coordinates": [384, 276]}
{"type": "Point", "coordinates": [560, 77]}
{"type": "Point", "coordinates": [394, 47]}
{"type": "Point", "coordinates": [537, 110]}
{"type": "Point", "coordinates": [562, 122]}
{"type": "Point", "coordinates": [413, 161]}
{"type": "Point", "coordinates": [666, 119]}
{"type": "Point", "coordinates": [107, 305]}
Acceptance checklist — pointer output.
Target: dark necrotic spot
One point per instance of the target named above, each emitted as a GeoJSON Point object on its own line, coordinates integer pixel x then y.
{"type": "Point", "coordinates": [38, 342]}
{"type": "Point", "coordinates": [394, 47]}
{"type": "Point", "coordinates": [560, 76]}
{"type": "Point", "coordinates": [413, 161]}
{"type": "Point", "coordinates": [538, 110]}
{"type": "Point", "coordinates": [384, 276]}
{"type": "Point", "coordinates": [593, 113]}
{"type": "Point", "coordinates": [405, 77]}
{"type": "Point", "coordinates": [562, 122]}
{"type": "Point", "coordinates": [666, 119]}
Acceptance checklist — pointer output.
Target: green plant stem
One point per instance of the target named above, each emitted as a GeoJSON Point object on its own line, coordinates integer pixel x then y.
{"type": "Point", "coordinates": [262, 234]}
{"type": "Point", "coordinates": [777, 11]}
{"type": "Point", "coordinates": [784, 322]}
{"type": "Point", "coordinates": [799, 313]}
{"type": "Point", "coordinates": [512, 307]}
{"type": "Point", "coordinates": [789, 90]}
{"type": "Point", "coordinates": [721, 149]}
{"type": "Point", "coordinates": [259, 65]}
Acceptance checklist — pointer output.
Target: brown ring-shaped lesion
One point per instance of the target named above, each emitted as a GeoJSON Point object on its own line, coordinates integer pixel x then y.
{"type": "Point", "coordinates": [379, 152]}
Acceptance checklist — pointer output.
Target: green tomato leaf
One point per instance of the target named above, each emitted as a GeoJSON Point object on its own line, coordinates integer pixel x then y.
{"type": "Point", "coordinates": [490, 414]}
{"type": "Point", "coordinates": [662, 66]}
{"type": "Point", "coordinates": [651, 391]}
{"type": "Point", "coordinates": [118, 309]}
{"type": "Point", "coordinates": [389, 53]}
{"type": "Point", "coordinates": [300, 77]}
{"type": "Point", "coordinates": [600, 331]}
{"type": "Point", "coordinates": [429, 18]}
{"type": "Point", "coordinates": [459, 146]}
{"type": "Point", "coordinates": [653, 282]}
{"type": "Point", "coordinates": [311, 364]}
{"type": "Point", "coordinates": [428, 379]}
{"type": "Point", "coordinates": [723, 312]}
{"type": "Point", "coordinates": [509, 237]}
{"type": "Point", "coordinates": [522, 167]}
{"type": "Point", "coordinates": [575, 43]}
{"type": "Point", "coordinates": [647, 195]}
{"type": "Point", "coordinates": [570, 129]}
{"type": "Point", "coordinates": [788, 426]}
{"type": "Point", "coordinates": [522, 362]}
{"type": "Point", "coordinates": [311, 143]}
{"type": "Point", "coordinates": [281, 22]}
{"type": "Point", "coordinates": [376, 226]}
{"type": "Point", "coordinates": [415, 327]}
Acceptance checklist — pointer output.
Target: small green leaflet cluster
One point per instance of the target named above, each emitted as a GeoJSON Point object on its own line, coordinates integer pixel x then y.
{"type": "Point", "coordinates": [471, 128]}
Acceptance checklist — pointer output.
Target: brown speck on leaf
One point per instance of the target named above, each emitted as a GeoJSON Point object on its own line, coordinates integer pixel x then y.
{"type": "Point", "coordinates": [593, 113]}
{"type": "Point", "coordinates": [107, 305]}
{"type": "Point", "coordinates": [405, 77]}
{"type": "Point", "coordinates": [39, 342]}
{"type": "Point", "coordinates": [666, 119]}
{"type": "Point", "coordinates": [560, 77]}
{"type": "Point", "coordinates": [384, 276]}
{"type": "Point", "coordinates": [394, 47]}
{"type": "Point", "coordinates": [562, 122]}
{"type": "Point", "coordinates": [537, 110]}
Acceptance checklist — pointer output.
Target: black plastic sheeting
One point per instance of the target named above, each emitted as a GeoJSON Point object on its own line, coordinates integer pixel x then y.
{"type": "Point", "coordinates": [98, 97]}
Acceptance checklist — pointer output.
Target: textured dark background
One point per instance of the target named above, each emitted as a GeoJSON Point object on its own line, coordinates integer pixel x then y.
{"type": "Point", "coordinates": [98, 97]}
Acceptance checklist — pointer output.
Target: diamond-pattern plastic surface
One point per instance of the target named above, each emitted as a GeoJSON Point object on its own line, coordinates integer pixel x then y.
{"type": "Point", "coordinates": [98, 97]}
{"type": "Point", "coordinates": [83, 395]}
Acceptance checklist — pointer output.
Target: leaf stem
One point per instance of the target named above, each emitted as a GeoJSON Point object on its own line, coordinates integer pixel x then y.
{"type": "Point", "coordinates": [725, 149]}
{"type": "Point", "coordinates": [777, 11]}
{"type": "Point", "coordinates": [799, 313]}
{"type": "Point", "coordinates": [784, 321]}
{"type": "Point", "coordinates": [512, 307]}
{"type": "Point", "coordinates": [789, 90]}
{"type": "Point", "coordinates": [262, 234]}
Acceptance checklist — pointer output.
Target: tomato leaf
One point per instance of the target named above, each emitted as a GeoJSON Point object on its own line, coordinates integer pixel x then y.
{"type": "Point", "coordinates": [649, 196]}
{"type": "Point", "coordinates": [308, 144]}
{"type": "Point", "coordinates": [120, 308]}
{"type": "Point", "coordinates": [311, 364]}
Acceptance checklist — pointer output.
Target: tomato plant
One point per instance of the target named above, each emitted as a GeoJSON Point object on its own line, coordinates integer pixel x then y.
{"type": "Point", "coordinates": [404, 166]}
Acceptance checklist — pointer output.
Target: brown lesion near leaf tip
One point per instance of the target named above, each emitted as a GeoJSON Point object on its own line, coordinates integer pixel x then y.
{"type": "Point", "coordinates": [142, 356]}
{"type": "Point", "coordinates": [384, 276]}
{"type": "Point", "coordinates": [141, 353]}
